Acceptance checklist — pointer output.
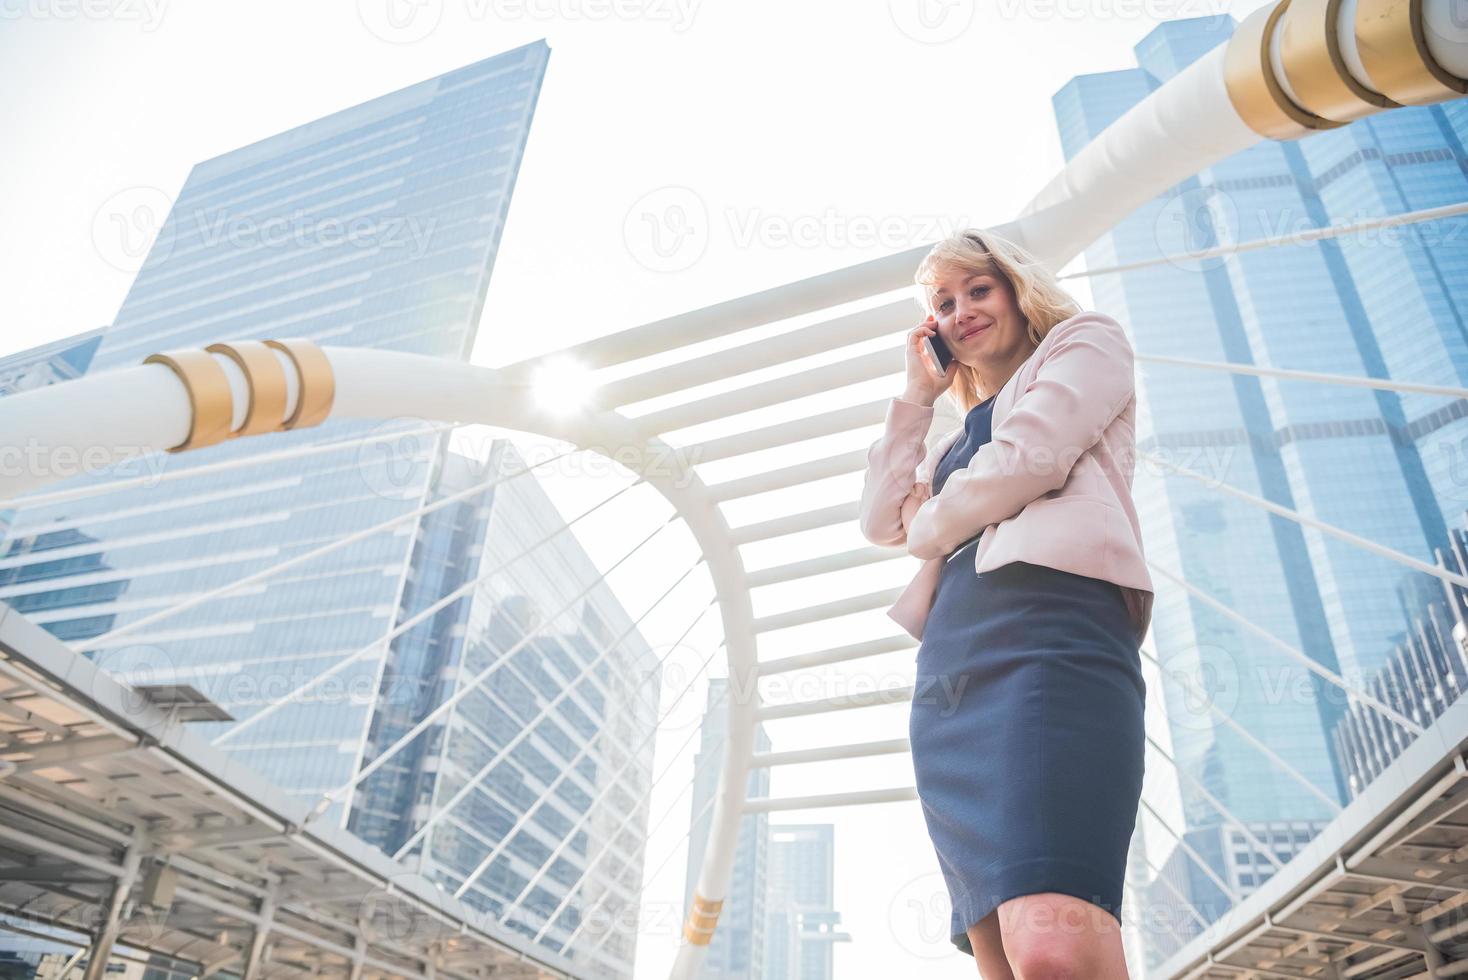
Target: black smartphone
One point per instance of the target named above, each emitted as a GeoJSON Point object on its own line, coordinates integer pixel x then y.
{"type": "Point", "coordinates": [938, 354]}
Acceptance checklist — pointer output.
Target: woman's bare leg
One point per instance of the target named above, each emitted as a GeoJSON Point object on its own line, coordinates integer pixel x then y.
{"type": "Point", "coordinates": [989, 948]}
{"type": "Point", "coordinates": [1050, 936]}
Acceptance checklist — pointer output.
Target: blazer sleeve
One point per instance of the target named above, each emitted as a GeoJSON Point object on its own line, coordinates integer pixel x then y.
{"type": "Point", "coordinates": [891, 493]}
{"type": "Point", "coordinates": [1084, 381]}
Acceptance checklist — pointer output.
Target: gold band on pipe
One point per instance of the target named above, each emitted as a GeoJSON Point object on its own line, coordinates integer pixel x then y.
{"type": "Point", "coordinates": [1391, 37]}
{"type": "Point", "coordinates": [1253, 89]}
{"type": "Point", "coordinates": [211, 404]}
{"type": "Point", "coordinates": [264, 383]}
{"type": "Point", "coordinates": [1310, 49]}
{"type": "Point", "coordinates": [317, 384]}
{"type": "Point", "coordinates": [699, 929]}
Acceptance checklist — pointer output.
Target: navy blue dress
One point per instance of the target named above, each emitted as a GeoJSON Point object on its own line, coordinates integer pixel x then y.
{"type": "Point", "coordinates": [1026, 727]}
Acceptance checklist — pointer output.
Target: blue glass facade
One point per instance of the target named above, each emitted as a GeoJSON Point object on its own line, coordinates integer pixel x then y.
{"type": "Point", "coordinates": [469, 811]}
{"type": "Point", "coordinates": [1381, 465]}
{"type": "Point", "coordinates": [376, 226]}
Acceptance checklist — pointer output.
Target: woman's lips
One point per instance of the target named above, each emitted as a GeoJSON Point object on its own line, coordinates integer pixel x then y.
{"type": "Point", "coordinates": [973, 332]}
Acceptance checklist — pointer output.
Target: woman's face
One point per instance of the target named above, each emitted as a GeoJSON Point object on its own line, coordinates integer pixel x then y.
{"type": "Point", "coordinates": [980, 321]}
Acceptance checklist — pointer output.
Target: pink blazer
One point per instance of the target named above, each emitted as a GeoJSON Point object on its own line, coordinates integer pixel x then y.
{"type": "Point", "coordinates": [1052, 487]}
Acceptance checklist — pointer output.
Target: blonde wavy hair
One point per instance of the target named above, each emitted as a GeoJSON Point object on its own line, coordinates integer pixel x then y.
{"type": "Point", "coordinates": [1038, 294]}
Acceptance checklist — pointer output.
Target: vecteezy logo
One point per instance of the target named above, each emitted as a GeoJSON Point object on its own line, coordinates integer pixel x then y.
{"type": "Point", "coordinates": [400, 21]}
{"type": "Point", "coordinates": [408, 911]}
{"type": "Point", "coordinates": [1448, 458]}
{"type": "Point", "coordinates": [129, 225]}
{"type": "Point", "coordinates": [1200, 684]}
{"type": "Point", "coordinates": [920, 915]}
{"type": "Point", "coordinates": [1197, 219]}
{"type": "Point", "coordinates": [136, 667]}
{"type": "Point", "coordinates": [679, 698]}
{"type": "Point", "coordinates": [667, 230]}
{"type": "Point", "coordinates": [395, 457]}
{"type": "Point", "coordinates": [932, 21]}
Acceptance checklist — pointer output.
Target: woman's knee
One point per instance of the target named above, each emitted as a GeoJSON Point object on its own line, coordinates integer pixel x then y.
{"type": "Point", "coordinates": [1050, 961]}
{"type": "Point", "coordinates": [1050, 936]}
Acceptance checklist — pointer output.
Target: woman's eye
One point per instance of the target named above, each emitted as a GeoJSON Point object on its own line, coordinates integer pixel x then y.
{"type": "Point", "coordinates": [979, 290]}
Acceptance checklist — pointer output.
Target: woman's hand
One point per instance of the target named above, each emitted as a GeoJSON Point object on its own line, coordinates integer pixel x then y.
{"type": "Point", "coordinates": [915, 497]}
{"type": "Point", "coordinates": [922, 386]}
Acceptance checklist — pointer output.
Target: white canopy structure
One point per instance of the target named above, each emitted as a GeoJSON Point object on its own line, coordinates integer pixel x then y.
{"type": "Point", "coordinates": [1293, 68]}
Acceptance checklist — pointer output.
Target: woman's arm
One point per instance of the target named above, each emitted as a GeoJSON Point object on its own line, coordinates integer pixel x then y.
{"type": "Point", "coordinates": [891, 494]}
{"type": "Point", "coordinates": [1085, 380]}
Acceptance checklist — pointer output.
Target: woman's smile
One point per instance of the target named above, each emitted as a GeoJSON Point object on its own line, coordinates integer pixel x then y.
{"type": "Point", "coordinates": [971, 331]}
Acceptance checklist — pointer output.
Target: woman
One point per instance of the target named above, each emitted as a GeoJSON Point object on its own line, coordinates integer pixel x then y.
{"type": "Point", "coordinates": [1031, 604]}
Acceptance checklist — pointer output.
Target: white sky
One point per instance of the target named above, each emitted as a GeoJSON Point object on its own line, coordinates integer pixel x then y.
{"type": "Point", "coordinates": [788, 132]}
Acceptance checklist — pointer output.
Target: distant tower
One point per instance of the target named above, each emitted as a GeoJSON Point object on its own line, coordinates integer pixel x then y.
{"type": "Point", "coordinates": [737, 949]}
{"type": "Point", "coordinates": [801, 899]}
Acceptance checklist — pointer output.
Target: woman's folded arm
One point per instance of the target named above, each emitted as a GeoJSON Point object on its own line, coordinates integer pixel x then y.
{"type": "Point", "coordinates": [891, 493]}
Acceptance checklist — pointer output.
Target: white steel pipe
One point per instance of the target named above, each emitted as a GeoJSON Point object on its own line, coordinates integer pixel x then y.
{"type": "Point", "coordinates": [840, 702]}
{"type": "Point", "coordinates": [854, 750]}
{"type": "Point", "coordinates": [768, 804]}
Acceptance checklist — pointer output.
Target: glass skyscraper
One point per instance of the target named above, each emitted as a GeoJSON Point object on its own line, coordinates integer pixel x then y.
{"type": "Point", "coordinates": [577, 786]}
{"type": "Point", "coordinates": [1381, 465]}
{"type": "Point", "coordinates": [376, 226]}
